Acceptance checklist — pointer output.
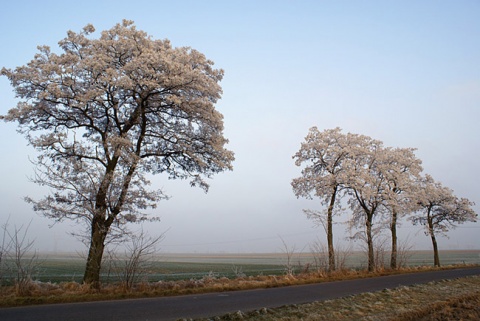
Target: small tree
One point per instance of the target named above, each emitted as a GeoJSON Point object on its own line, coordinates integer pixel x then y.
{"type": "Point", "coordinates": [440, 210]}
{"type": "Point", "coordinates": [106, 112]}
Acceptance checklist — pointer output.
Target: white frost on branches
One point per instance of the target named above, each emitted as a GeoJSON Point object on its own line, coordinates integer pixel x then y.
{"type": "Point", "coordinates": [106, 112]}
{"type": "Point", "coordinates": [382, 185]}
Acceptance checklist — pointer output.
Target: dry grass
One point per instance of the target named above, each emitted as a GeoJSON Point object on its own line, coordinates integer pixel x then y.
{"type": "Point", "coordinates": [41, 293]}
{"type": "Point", "coordinates": [457, 299]}
{"type": "Point", "coordinates": [464, 307]}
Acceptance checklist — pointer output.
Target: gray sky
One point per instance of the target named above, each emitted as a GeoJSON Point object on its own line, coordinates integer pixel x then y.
{"type": "Point", "coordinates": [407, 73]}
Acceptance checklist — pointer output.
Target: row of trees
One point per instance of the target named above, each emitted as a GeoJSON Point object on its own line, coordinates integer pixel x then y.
{"type": "Point", "coordinates": [380, 185]}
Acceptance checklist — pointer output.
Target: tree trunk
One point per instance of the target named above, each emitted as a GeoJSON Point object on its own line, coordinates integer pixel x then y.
{"type": "Point", "coordinates": [95, 253]}
{"type": "Point", "coordinates": [371, 254]}
{"type": "Point", "coordinates": [393, 229]}
{"type": "Point", "coordinates": [436, 257]}
{"type": "Point", "coordinates": [101, 223]}
{"type": "Point", "coordinates": [331, 249]}
{"type": "Point", "coordinates": [100, 226]}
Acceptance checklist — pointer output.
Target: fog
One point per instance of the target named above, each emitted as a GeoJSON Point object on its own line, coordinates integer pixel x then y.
{"type": "Point", "coordinates": [405, 73]}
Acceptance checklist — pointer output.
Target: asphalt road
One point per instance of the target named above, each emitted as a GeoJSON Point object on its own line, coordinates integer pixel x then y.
{"type": "Point", "coordinates": [205, 305]}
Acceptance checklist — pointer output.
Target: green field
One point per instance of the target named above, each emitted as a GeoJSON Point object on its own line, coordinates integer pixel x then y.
{"type": "Point", "coordinates": [166, 267]}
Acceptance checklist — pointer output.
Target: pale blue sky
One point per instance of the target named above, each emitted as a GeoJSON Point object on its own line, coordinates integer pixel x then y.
{"type": "Point", "coordinates": [404, 72]}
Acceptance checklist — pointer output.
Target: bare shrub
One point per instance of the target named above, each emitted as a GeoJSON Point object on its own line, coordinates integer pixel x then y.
{"type": "Point", "coordinates": [381, 251]}
{"type": "Point", "coordinates": [342, 253]}
{"type": "Point", "coordinates": [18, 260]}
{"type": "Point", "coordinates": [304, 268]}
{"type": "Point", "coordinates": [320, 255]}
{"type": "Point", "coordinates": [380, 246]}
{"type": "Point", "coordinates": [404, 252]}
{"type": "Point", "coordinates": [238, 271]}
{"type": "Point", "coordinates": [134, 264]}
{"type": "Point", "coordinates": [289, 252]}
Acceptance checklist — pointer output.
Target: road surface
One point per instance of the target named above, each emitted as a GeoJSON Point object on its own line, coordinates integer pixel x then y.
{"type": "Point", "coordinates": [212, 304]}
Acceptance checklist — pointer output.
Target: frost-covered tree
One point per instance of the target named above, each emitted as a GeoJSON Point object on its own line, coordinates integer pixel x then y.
{"type": "Point", "coordinates": [381, 183]}
{"type": "Point", "coordinates": [324, 155]}
{"type": "Point", "coordinates": [440, 210]}
{"type": "Point", "coordinates": [106, 112]}
{"type": "Point", "coordinates": [401, 170]}
{"type": "Point", "coordinates": [376, 178]}
{"type": "Point", "coordinates": [367, 188]}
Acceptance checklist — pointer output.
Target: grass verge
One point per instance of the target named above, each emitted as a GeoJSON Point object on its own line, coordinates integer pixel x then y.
{"type": "Point", "coordinates": [457, 299]}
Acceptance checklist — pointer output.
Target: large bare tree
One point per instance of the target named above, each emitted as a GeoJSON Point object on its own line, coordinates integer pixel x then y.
{"type": "Point", "coordinates": [106, 112]}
